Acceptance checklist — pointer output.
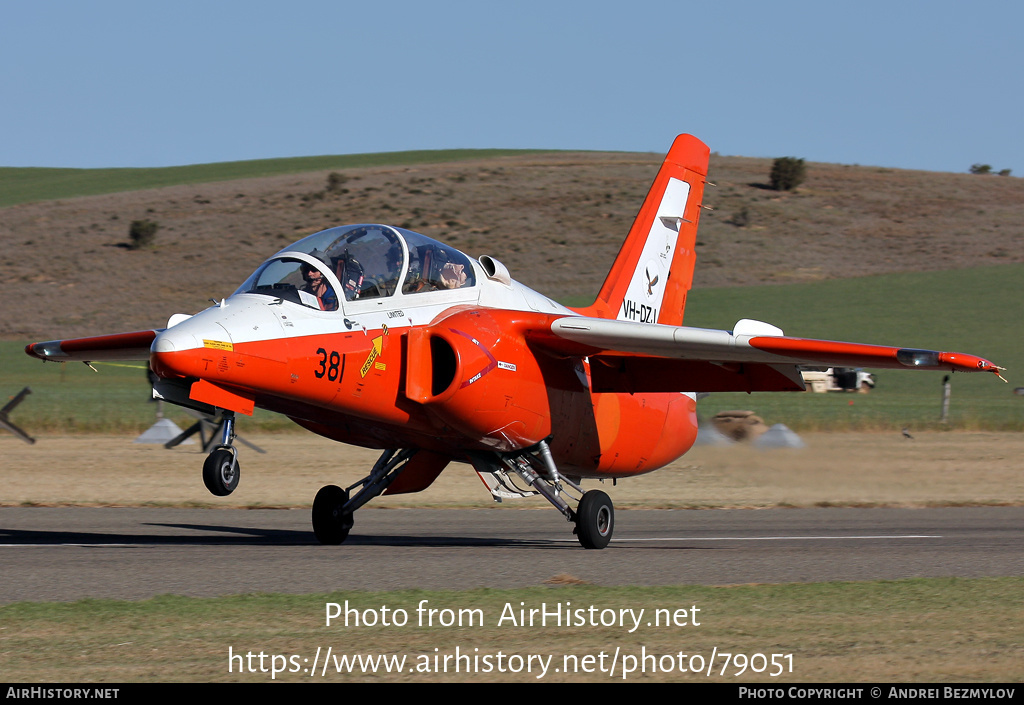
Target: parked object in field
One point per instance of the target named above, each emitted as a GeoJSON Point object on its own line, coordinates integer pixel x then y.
{"type": "Point", "coordinates": [739, 425]}
{"type": "Point", "coordinates": [838, 379]}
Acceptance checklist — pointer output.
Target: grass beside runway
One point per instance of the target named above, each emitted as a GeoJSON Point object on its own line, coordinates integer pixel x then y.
{"type": "Point", "coordinates": [834, 469]}
{"type": "Point", "coordinates": [922, 631]}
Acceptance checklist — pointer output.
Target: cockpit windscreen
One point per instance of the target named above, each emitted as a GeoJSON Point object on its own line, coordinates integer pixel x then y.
{"type": "Point", "coordinates": [368, 261]}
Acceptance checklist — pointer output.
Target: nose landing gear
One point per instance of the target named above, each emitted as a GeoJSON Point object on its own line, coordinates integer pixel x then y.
{"type": "Point", "coordinates": [220, 471]}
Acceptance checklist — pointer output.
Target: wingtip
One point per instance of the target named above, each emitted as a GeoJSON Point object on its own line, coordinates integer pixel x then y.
{"type": "Point", "coordinates": [986, 366]}
{"type": "Point", "coordinates": [962, 362]}
{"type": "Point", "coordinates": [48, 350]}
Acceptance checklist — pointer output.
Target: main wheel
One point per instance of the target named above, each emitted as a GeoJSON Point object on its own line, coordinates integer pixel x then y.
{"type": "Point", "coordinates": [331, 523]}
{"type": "Point", "coordinates": [221, 472]}
{"type": "Point", "coordinates": [595, 519]}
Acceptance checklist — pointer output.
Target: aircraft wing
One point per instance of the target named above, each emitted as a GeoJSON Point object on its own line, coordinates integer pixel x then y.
{"type": "Point", "coordinates": [754, 356]}
{"type": "Point", "coordinates": [120, 346]}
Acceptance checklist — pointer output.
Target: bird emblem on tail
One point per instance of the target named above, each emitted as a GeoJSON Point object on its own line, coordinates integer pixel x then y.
{"type": "Point", "coordinates": [650, 282]}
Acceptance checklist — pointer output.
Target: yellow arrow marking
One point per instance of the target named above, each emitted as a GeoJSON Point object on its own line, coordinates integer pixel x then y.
{"type": "Point", "coordinates": [378, 347]}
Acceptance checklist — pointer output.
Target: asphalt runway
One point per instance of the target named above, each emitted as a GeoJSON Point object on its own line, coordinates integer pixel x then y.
{"type": "Point", "coordinates": [136, 553]}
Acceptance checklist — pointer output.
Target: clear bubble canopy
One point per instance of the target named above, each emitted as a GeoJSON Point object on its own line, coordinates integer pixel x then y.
{"type": "Point", "coordinates": [362, 262]}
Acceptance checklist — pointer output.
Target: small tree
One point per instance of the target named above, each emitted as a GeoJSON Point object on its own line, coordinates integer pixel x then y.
{"type": "Point", "coordinates": [981, 168]}
{"type": "Point", "coordinates": [336, 181]}
{"type": "Point", "coordinates": [142, 233]}
{"type": "Point", "coordinates": [787, 173]}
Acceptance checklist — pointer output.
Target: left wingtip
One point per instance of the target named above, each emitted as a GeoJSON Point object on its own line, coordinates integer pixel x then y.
{"type": "Point", "coordinates": [961, 362]}
{"type": "Point", "coordinates": [49, 350]}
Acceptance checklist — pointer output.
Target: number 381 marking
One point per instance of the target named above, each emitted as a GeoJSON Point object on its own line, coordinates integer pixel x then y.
{"type": "Point", "coordinates": [329, 365]}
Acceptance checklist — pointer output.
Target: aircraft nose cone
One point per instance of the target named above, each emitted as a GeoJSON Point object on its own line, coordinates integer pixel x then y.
{"type": "Point", "coordinates": [176, 352]}
{"type": "Point", "coordinates": [191, 334]}
{"type": "Point", "coordinates": [163, 343]}
{"type": "Point", "coordinates": [168, 354]}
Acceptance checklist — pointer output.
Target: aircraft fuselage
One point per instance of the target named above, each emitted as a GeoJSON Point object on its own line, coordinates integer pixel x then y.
{"type": "Point", "coordinates": [449, 376]}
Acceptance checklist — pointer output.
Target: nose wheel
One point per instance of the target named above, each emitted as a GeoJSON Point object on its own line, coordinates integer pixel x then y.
{"type": "Point", "coordinates": [220, 471]}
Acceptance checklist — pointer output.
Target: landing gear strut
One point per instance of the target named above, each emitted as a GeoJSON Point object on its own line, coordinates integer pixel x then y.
{"type": "Point", "coordinates": [594, 516]}
{"type": "Point", "coordinates": [220, 471]}
{"type": "Point", "coordinates": [333, 507]}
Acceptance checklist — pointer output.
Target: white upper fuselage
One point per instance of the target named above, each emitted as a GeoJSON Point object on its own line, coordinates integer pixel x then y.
{"type": "Point", "coordinates": [272, 304]}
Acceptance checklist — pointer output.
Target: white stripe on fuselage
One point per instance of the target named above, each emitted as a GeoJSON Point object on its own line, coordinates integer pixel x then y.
{"type": "Point", "coordinates": [246, 318]}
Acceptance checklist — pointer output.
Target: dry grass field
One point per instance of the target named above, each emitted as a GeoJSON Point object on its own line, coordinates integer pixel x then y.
{"type": "Point", "coordinates": [841, 469]}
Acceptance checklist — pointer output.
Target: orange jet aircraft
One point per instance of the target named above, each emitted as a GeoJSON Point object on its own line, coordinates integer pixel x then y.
{"type": "Point", "coordinates": [383, 338]}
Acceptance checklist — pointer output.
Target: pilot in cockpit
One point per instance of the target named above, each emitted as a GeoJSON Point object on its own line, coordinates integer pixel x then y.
{"type": "Point", "coordinates": [318, 287]}
{"type": "Point", "coordinates": [453, 275]}
{"type": "Point", "coordinates": [432, 269]}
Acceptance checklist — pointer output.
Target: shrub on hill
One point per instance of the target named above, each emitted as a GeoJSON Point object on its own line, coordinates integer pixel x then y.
{"type": "Point", "coordinates": [336, 182]}
{"type": "Point", "coordinates": [987, 169]}
{"type": "Point", "coordinates": [142, 233]}
{"type": "Point", "coordinates": [787, 173]}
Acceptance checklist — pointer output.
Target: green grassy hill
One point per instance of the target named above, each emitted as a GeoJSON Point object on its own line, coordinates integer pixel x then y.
{"type": "Point", "coordinates": [27, 184]}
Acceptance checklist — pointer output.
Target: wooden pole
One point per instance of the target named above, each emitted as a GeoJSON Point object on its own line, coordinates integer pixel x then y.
{"type": "Point", "coordinates": [945, 399]}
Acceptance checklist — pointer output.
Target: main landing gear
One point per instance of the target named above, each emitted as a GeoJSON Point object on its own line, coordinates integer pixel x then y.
{"type": "Point", "coordinates": [595, 519]}
{"type": "Point", "coordinates": [594, 516]}
{"type": "Point", "coordinates": [220, 471]}
{"type": "Point", "coordinates": [333, 507]}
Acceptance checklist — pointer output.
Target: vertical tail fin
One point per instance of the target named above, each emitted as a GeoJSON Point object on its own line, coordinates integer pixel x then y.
{"type": "Point", "coordinates": [653, 271]}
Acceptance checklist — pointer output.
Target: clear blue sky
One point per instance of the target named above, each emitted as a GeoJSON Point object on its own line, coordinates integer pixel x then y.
{"type": "Point", "coordinates": [920, 85]}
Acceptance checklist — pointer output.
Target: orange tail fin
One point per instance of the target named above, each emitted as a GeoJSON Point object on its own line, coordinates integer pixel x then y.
{"type": "Point", "coordinates": [653, 271]}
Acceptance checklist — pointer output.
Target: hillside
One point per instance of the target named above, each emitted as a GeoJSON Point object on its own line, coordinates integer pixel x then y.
{"type": "Point", "coordinates": [555, 219]}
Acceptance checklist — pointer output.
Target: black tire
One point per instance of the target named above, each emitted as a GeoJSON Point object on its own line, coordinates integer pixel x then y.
{"type": "Point", "coordinates": [595, 519]}
{"type": "Point", "coordinates": [331, 523]}
{"type": "Point", "coordinates": [221, 472]}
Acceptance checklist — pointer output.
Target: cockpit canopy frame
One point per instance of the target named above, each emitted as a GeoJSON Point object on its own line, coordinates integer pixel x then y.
{"type": "Point", "coordinates": [364, 262]}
